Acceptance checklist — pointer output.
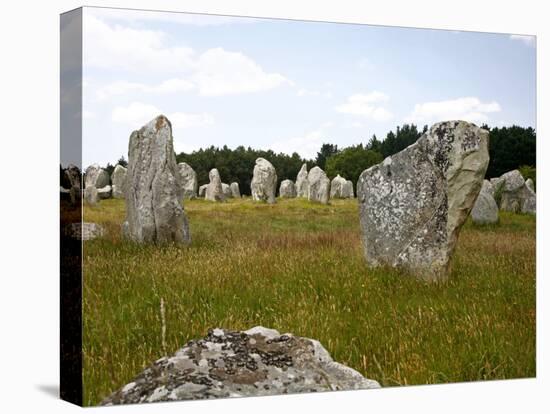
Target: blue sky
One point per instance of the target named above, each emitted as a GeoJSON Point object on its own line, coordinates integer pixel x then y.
{"type": "Point", "coordinates": [290, 85]}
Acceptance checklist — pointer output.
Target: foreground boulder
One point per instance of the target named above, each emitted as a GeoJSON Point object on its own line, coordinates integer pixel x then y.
{"type": "Point", "coordinates": [302, 183]}
{"type": "Point", "coordinates": [225, 364]}
{"type": "Point", "coordinates": [264, 181]}
{"type": "Point", "coordinates": [287, 189]}
{"type": "Point", "coordinates": [485, 210]}
{"type": "Point", "coordinates": [96, 176]}
{"type": "Point", "coordinates": [318, 186]}
{"type": "Point", "coordinates": [154, 208]}
{"type": "Point", "coordinates": [338, 187]}
{"type": "Point", "coordinates": [515, 195]}
{"type": "Point", "coordinates": [235, 190]}
{"type": "Point", "coordinates": [188, 180]}
{"type": "Point", "coordinates": [118, 178]}
{"type": "Point", "coordinates": [214, 189]}
{"type": "Point", "coordinates": [226, 188]}
{"type": "Point", "coordinates": [413, 204]}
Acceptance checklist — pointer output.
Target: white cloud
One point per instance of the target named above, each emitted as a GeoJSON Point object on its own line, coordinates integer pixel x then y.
{"type": "Point", "coordinates": [365, 64]}
{"type": "Point", "coordinates": [123, 87]}
{"type": "Point", "coordinates": [138, 114]}
{"type": "Point", "coordinates": [367, 105]}
{"type": "Point", "coordinates": [468, 109]}
{"type": "Point", "coordinates": [527, 40]}
{"type": "Point", "coordinates": [302, 92]}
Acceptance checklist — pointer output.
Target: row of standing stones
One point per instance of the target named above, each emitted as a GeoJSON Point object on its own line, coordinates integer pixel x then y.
{"type": "Point", "coordinates": [412, 207]}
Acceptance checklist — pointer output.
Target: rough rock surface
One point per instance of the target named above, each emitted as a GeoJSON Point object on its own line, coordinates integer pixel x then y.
{"type": "Point", "coordinates": [91, 195]}
{"type": "Point", "coordinates": [71, 177]}
{"type": "Point", "coordinates": [235, 190]}
{"type": "Point", "coordinates": [264, 181]}
{"type": "Point", "coordinates": [214, 190]}
{"type": "Point", "coordinates": [318, 186]}
{"type": "Point", "coordinates": [225, 364]}
{"type": "Point", "coordinates": [154, 195]}
{"type": "Point", "coordinates": [413, 204]}
{"type": "Point", "coordinates": [202, 190]}
{"type": "Point", "coordinates": [188, 180]}
{"type": "Point", "coordinates": [515, 194]}
{"type": "Point", "coordinates": [83, 231]}
{"type": "Point", "coordinates": [338, 187]}
{"type": "Point", "coordinates": [226, 188]}
{"type": "Point", "coordinates": [348, 190]}
{"type": "Point", "coordinates": [287, 189]}
{"type": "Point", "coordinates": [485, 210]}
{"type": "Point", "coordinates": [302, 183]}
{"type": "Point", "coordinates": [118, 178]}
{"type": "Point", "coordinates": [105, 192]}
{"type": "Point", "coordinates": [530, 184]}
{"type": "Point", "coordinates": [96, 176]}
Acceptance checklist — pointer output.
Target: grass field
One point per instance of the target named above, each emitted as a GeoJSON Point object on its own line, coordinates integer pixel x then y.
{"type": "Point", "coordinates": [298, 267]}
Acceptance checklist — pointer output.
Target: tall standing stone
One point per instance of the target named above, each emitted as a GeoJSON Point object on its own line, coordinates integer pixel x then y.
{"type": "Point", "coordinates": [287, 189]}
{"type": "Point", "coordinates": [348, 189]}
{"type": "Point", "coordinates": [118, 178]}
{"type": "Point", "coordinates": [413, 204]}
{"type": "Point", "coordinates": [485, 210]}
{"type": "Point", "coordinates": [96, 176]}
{"type": "Point", "coordinates": [235, 190]}
{"type": "Point", "coordinates": [302, 183]}
{"type": "Point", "coordinates": [226, 188]}
{"type": "Point", "coordinates": [318, 186]}
{"type": "Point", "coordinates": [72, 182]}
{"type": "Point", "coordinates": [154, 207]}
{"type": "Point", "coordinates": [214, 189]}
{"type": "Point", "coordinates": [188, 180]}
{"type": "Point", "coordinates": [338, 187]}
{"type": "Point", "coordinates": [264, 181]}
{"type": "Point", "coordinates": [91, 196]}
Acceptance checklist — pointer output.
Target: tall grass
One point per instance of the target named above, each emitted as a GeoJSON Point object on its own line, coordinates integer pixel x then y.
{"type": "Point", "coordinates": [298, 267]}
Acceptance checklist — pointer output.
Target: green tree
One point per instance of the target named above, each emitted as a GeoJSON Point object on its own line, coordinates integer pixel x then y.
{"type": "Point", "coordinates": [326, 151]}
{"type": "Point", "coordinates": [351, 162]}
{"type": "Point", "coordinates": [510, 148]}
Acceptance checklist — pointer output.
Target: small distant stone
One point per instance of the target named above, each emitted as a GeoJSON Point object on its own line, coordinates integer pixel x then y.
{"type": "Point", "coordinates": [83, 231]}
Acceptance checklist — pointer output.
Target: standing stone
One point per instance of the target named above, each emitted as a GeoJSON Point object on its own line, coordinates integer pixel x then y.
{"type": "Point", "coordinates": [71, 176]}
{"type": "Point", "coordinates": [154, 207]}
{"type": "Point", "coordinates": [188, 180]}
{"type": "Point", "coordinates": [337, 187]}
{"type": "Point", "coordinates": [516, 197]}
{"type": "Point", "coordinates": [96, 176]}
{"type": "Point", "coordinates": [214, 190]}
{"type": "Point", "coordinates": [287, 189]}
{"type": "Point", "coordinates": [530, 184]}
{"type": "Point", "coordinates": [118, 178]}
{"type": "Point", "coordinates": [413, 204]}
{"type": "Point", "coordinates": [348, 189]}
{"type": "Point", "coordinates": [202, 190]}
{"type": "Point", "coordinates": [264, 181]}
{"type": "Point", "coordinates": [485, 210]}
{"type": "Point", "coordinates": [235, 190]}
{"type": "Point", "coordinates": [318, 186]}
{"type": "Point", "coordinates": [104, 192]}
{"type": "Point", "coordinates": [91, 196]}
{"type": "Point", "coordinates": [227, 191]}
{"type": "Point", "coordinates": [302, 183]}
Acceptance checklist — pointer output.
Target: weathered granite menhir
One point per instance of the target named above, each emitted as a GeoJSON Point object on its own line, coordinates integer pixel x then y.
{"type": "Point", "coordinates": [226, 363]}
{"type": "Point", "coordinates": [264, 181]}
{"type": "Point", "coordinates": [413, 204]}
{"type": "Point", "coordinates": [154, 191]}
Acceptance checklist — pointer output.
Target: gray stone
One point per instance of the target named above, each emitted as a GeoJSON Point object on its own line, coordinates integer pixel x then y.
{"type": "Point", "coordinates": [530, 184]}
{"type": "Point", "coordinates": [96, 176]}
{"type": "Point", "coordinates": [226, 188]}
{"type": "Point", "coordinates": [516, 197]}
{"type": "Point", "coordinates": [348, 190]}
{"type": "Point", "coordinates": [71, 177]}
{"type": "Point", "coordinates": [214, 190]}
{"type": "Point", "coordinates": [118, 178]}
{"type": "Point", "coordinates": [226, 363]}
{"type": "Point", "coordinates": [91, 195]}
{"type": "Point", "coordinates": [318, 186]}
{"type": "Point", "coordinates": [154, 195]}
{"type": "Point", "coordinates": [338, 187]}
{"type": "Point", "coordinates": [104, 192]}
{"type": "Point", "coordinates": [485, 210]}
{"type": "Point", "coordinates": [264, 181]}
{"type": "Point", "coordinates": [235, 190]}
{"type": "Point", "coordinates": [302, 183]}
{"type": "Point", "coordinates": [83, 231]}
{"type": "Point", "coordinates": [413, 204]}
{"type": "Point", "coordinates": [188, 180]}
{"type": "Point", "coordinates": [287, 189]}
{"type": "Point", "coordinates": [202, 190]}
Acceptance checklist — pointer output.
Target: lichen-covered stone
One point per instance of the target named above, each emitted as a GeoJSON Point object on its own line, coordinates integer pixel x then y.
{"type": "Point", "coordinates": [318, 186]}
{"type": "Point", "coordinates": [302, 183]}
{"type": "Point", "coordinates": [226, 188]}
{"type": "Point", "coordinates": [226, 363]}
{"type": "Point", "coordinates": [154, 195]}
{"type": "Point", "coordinates": [485, 210]}
{"type": "Point", "coordinates": [235, 190]}
{"type": "Point", "coordinates": [413, 204]}
{"type": "Point", "coordinates": [214, 189]}
{"type": "Point", "coordinates": [118, 179]}
{"type": "Point", "coordinates": [516, 196]}
{"type": "Point", "coordinates": [96, 176]}
{"type": "Point", "coordinates": [188, 180]}
{"type": "Point", "coordinates": [287, 189]}
{"type": "Point", "coordinates": [338, 187]}
{"type": "Point", "coordinates": [264, 181]}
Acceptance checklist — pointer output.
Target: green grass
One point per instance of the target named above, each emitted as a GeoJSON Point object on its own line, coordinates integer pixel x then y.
{"type": "Point", "coordinates": [298, 267]}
